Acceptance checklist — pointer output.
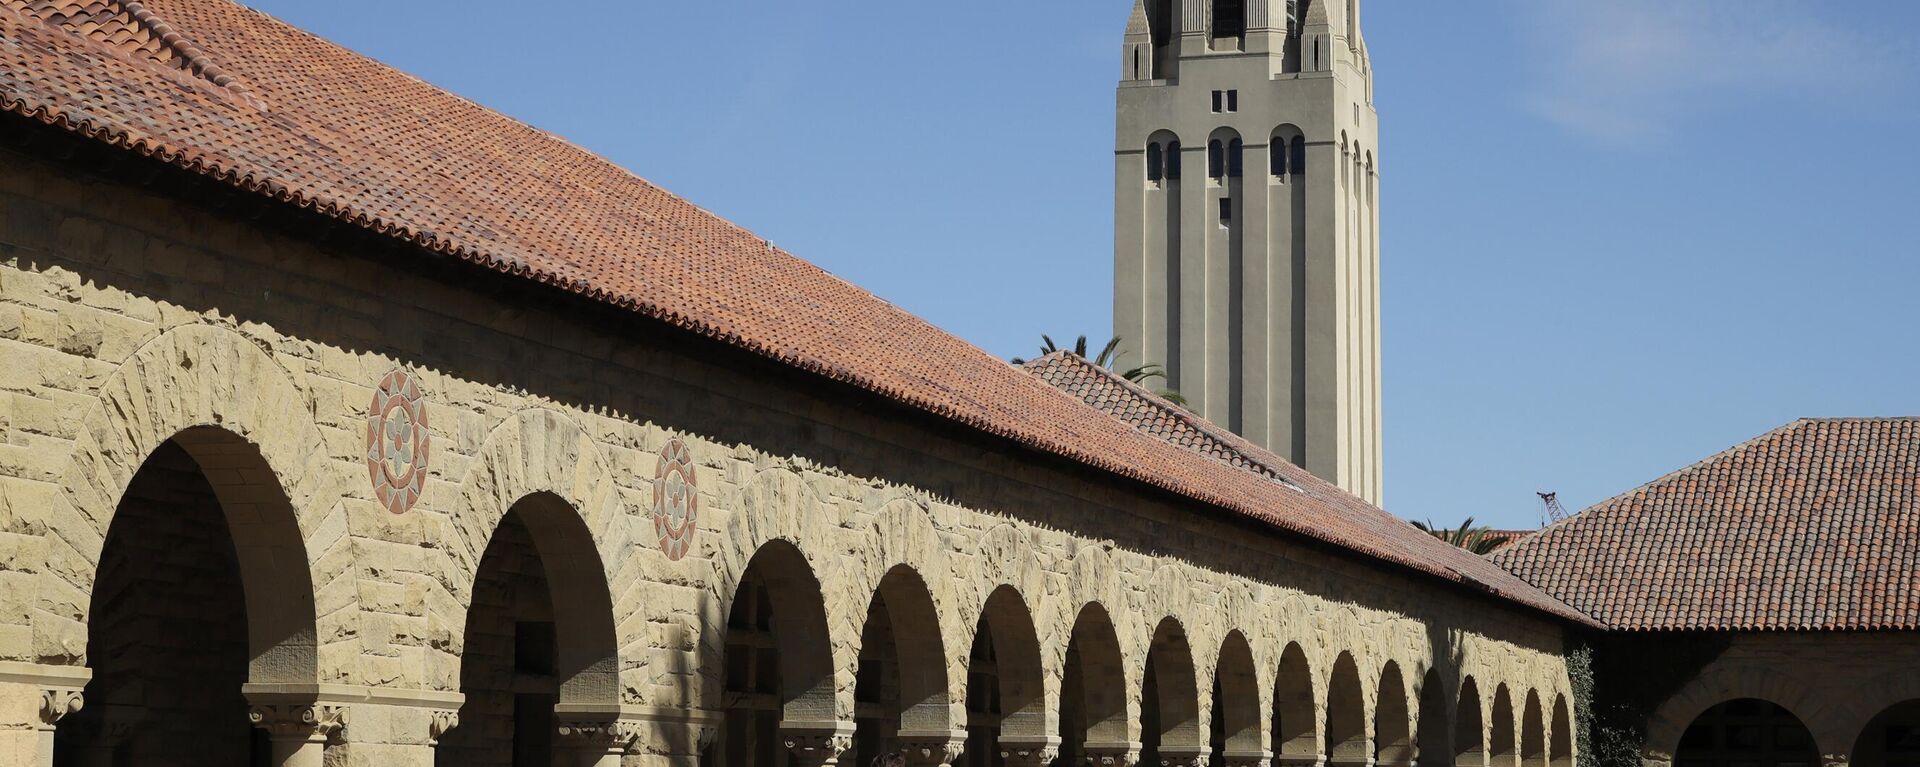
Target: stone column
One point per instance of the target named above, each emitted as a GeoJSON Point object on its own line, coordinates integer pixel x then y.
{"type": "Point", "coordinates": [300, 732]}
{"type": "Point", "coordinates": [33, 700]}
{"type": "Point", "coordinates": [817, 745]}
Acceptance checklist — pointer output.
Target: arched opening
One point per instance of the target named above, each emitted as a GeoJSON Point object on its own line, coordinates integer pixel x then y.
{"type": "Point", "coordinates": [1160, 21]}
{"type": "Point", "coordinates": [1280, 152]}
{"type": "Point", "coordinates": [1299, 156]}
{"type": "Point", "coordinates": [1229, 22]}
{"type": "Point", "coordinates": [777, 658]}
{"type": "Point", "coordinates": [1469, 728]}
{"type": "Point", "coordinates": [1236, 158]}
{"type": "Point", "coordinates": [1156, 168]}
{"type": "Point", "coordinates": [1533, 733]}
{"type": "Point", "coordinates": [1346, 715]}
{"type": "Point", "coordinates": [1236, 705]}
{"type": "Point", "coordinates": [201, 587]}
{"type": "Point", "coordinates": [1500, 745]}
{"type": "Point", "coordinates": [1004, 701]}
{"type": "Point", "coordinates": [1173, 160]}
{"type": "Point", "coordinates": [901, 682]}
{"type": "Point", "coordinates": [539, 633]}
{"type": "Point", "coordinates": [1892, 738]}
{"type": "Point", "coordinates": [1169, 701]}
{"type": "Point", "coordinates": [1093, 704]}
{"type": "Point", "coordinates": [1747, 733]}
{"type": "Point", "coordinates": [1293, 707]}
{"type": "Point", "coordinates": [1392, 738]}
{"type": "Point", "coordinates": [1217, 159]}
{"type": "Point", "coordinates": [1560, 752]}
{"type": "Point", "coordinates": [1431, 732]}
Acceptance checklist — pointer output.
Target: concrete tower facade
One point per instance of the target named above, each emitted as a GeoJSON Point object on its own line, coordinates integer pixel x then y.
{"type": "Point", "coordinates": [1247, 254]}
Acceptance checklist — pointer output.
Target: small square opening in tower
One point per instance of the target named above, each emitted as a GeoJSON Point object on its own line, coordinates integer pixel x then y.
{"type": "Point", "coordinates": [1226, 211]}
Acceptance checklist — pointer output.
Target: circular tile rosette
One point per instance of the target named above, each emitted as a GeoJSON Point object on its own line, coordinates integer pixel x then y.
{"type": "Point", "coordinates": [676, 500]}
{"type": "Point", "coordinates": [397, 442]}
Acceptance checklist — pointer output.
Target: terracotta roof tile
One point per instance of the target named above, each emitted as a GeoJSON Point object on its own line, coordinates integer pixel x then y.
{"type": "Point", "coordinates": [320, 127]}
{"type": "Point", "coordinates": [1814, 526]}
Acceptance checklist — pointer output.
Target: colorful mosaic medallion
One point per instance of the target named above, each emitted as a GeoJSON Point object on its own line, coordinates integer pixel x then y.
{"type": "Point", "coordinates": [397, 442]}
{"type": "Point", "coordinates": [676, 500]}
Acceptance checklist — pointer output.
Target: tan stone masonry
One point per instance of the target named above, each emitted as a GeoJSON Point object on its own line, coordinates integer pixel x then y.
{"type": "Point", "coordinates": [130, 321]}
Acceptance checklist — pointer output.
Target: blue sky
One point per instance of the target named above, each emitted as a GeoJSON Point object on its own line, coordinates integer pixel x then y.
{"type": "Point", "coordinates": [1618, 236]}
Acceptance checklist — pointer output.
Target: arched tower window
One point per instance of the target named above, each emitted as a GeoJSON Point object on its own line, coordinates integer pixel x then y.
{"type": "Point", "coordinates": [1155, 171]}
{"type": "Point", "coordinates": [1216, 159]}
{"type": "Point", "coordinates": [1229, 18]}
{"type": "Point", "coordinates": [1280, 150]}
{"type": "Point", "coordinates": [1236, 164]}
{"type": "Point", "coordinates": [1300, 156]}
{"type": "Point", "coordinates": [1160, 21]}
{"type": "Point", "coordinates": [1173, 161]}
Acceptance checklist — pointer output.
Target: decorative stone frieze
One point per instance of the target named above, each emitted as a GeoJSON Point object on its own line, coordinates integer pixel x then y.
{"type": "Point", "coordinates": [1183, 757]}
{"type": "Point", "coordinates": [933, 750]}
{"type": "Point", "coordinates": [1248, 758]}
{"type": "Point", "coordinates": [1311, 760]}
{"type": "Point", "coordinates": [1112, 754]}
{"type": "Point", "coordinates": [310, 722]}
{"type": "Point", "coordinates": [600, 736]}
{"type": "Point", "coordinates": [1018, 752]}
{"type": "Point", "coordinates": [817, 748]}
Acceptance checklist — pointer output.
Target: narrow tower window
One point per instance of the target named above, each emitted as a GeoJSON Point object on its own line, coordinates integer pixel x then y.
{"type": "Point", "coordinates": [1277, 157]}
{"type": "Point", "coordinates": [1154, 168]}
{"type": "Point", "coordinates": [1235, 158]}
{"type": "Point", "coordinates": [1226, 211]}
{"type": "Point", "coordinates": [1229, 18]}
{"type": "Point", "coordinates": [1216, 159]}
{"type": "Point", "coordinates": [1173, 161]}
{"type": "Point", "coordinates": [1300, 156]}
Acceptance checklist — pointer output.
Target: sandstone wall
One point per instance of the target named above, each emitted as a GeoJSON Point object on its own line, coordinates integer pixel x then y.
{"type": "Point", "coordinates": [127, 317]}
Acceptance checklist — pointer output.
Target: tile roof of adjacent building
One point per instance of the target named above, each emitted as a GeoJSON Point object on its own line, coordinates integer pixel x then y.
{"type": "Point", "coordinates": [1813, 526]}
{"type": "Point", "coordinates": [320, 127]}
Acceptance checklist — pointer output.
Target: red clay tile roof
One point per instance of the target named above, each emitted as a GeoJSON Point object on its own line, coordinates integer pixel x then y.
{"type": "Point", "coordinates": [1168, 422]}
{"type": "Point", "coordinates": [1814, 526]}
{"type": "Point", "coordinates": [326, 129]}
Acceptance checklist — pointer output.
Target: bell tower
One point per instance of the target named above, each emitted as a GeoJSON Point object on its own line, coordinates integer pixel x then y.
{"type": "Point", "coordinates": [1246, 216]}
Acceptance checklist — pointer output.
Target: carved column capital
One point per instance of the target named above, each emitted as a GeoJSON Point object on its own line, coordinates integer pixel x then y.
{"type": "Point", "coordinates": [1112, 754]}
{"type": "Point", "coordinates": [1182, 757]}
{"type": "Point", "coordinates": [1248, 758]}
{"type": "Point", "coordinates": [600, 736]}
{"type": "Point", "coordinates": [57, 704]}
{"type": "Point", "coordinates": [312, 722]}
{"type": "Point", "coordinates": [931, 750]}
{"type": "Point", "coordinates": [441, 722]}
{"type": "Point", "coordinates": [1038, 754]}
{"type": "Point", "coordinates": [816, 748]}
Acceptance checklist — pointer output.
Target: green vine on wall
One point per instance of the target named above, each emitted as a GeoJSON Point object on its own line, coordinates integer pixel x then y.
{"type": "Point", "coordinates": [1620, 680]}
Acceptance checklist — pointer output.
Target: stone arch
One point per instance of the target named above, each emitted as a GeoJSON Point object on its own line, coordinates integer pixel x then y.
{"type": "Point", "coordinates": [1295, 736]}
{"type": "Point", "coordinates": [544, 465]}
{"type": "Point", "coordinates": [1892, 736]}
{"type": "Point", "coordinates": [1236, 735]}
{"type": "Point", "coordinates": [1431, 733]}
{"type": "Point", "coordinates": [1560, 751]}
{"type": "Point", "coordinates": [1392, 735]}
{"type": "Point", "coordinates": [1469, 727]}
{"type": "Point", "coordinates": [1749, 730]}
{"type": "Point", "coordinates": [1346, 714]}
{"type": "Point", "coordinates": [912, 620]}
{"type": "Point", "coordinates": [1170, 727]}
{"type": "Point", "coordinates": [1093, 700]}
{"type": "Point", "coordinates": [241, 417]}
{"type": "Point", "coordinates": [1720, 684]}
{"type": "Point", "coordinates": [761, 551]}
{"type": "Point", "coordinates": [1500, 741]}
{"type": "Point", "coordinates": [1007, 623]}
{"type": "Point", "coordinates": [1533, 732]}
{"type": "Point", "coordinates": [798, 625]}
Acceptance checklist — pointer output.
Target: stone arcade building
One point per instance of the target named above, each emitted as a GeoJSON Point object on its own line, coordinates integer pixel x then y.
{"type": "Point", "coordinates": [349, 423]}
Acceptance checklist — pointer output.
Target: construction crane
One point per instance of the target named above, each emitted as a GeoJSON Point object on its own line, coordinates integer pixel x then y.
{"type": "Point", "coordinates": [1555, 512]}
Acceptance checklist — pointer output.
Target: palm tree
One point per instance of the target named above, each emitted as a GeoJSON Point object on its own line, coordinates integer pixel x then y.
{"type": "Point", "coordinates": [1478, 540]}
{"type": "Point", "coordinates": [1138, 375]}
